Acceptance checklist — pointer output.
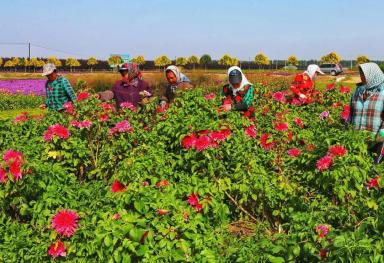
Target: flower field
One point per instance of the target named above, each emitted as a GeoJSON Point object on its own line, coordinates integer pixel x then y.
{"type": "Point", "coordinates": [191, 184]}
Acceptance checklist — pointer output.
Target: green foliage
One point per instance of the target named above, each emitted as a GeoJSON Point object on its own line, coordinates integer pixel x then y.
{"type": "Point", "coordinates": [162, 61]}
{"type": "Point", "coordinates": [228, 60]}
{"type": "Point", "coordinates": [181, 61]}
{"type": "Point", "coordinates": [257, 205]}
{"type": "Point", "coordinates": [19, 101]}
{"type": "Point", "coordinates": [261, 60]}
{"type": "Point", "coordinates": [205, 59]}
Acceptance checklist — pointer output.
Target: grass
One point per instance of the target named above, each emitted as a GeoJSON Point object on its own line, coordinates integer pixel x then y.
{"type": "Point", "coordinates": [10, 114]}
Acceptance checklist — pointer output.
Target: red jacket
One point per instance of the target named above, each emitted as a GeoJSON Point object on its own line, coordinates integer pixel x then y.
{"type": "Point", "coordinates": [303, 85]}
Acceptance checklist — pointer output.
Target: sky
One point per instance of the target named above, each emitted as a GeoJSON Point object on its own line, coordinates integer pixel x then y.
{"type": "Point", "coordinates": [241, 28]}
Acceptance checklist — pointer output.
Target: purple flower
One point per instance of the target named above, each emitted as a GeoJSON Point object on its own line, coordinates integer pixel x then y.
{"type": "Point", "coordinates": [324, 115]}
{"type": "Point", "coordinates": [23, 86]}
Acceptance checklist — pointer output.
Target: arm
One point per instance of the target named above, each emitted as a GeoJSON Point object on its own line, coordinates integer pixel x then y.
{"type": "Point", "coordinates": [68, 89]}
{"type": "Point", "coordinates": [106, 95]}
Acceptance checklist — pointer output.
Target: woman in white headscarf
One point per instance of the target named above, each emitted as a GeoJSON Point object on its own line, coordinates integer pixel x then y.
{"type": "Point", "coordinates": [176, 80]}
{"type": "Point", "coordinates": [238, 93]}
{"type": "Point", "coordinates": [367, 106]}
{"type": "Point", "coordinates": [303, 86]}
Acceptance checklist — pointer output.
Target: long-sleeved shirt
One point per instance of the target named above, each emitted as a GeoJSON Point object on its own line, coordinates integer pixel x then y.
{"type": "Point", "coordinates": [58, 92]}
{"type": "Point", "coordinates": [242, 101]}
{"type": "Point", "coordinates": [303, 85]}
{"type": "Point", "coordinates": [367, 109]}
{"type": "Point", "coordinates": [122, 91]}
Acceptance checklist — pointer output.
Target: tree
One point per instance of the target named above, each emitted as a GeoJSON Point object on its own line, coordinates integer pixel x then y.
{"type": "Point", "coordinates": [91, 62]}
{"type": "Point", "coordinates": [193, 60]}
{"type": "Point", "coordinates": [292, 60]}
{"type": "Point", "coordinates": [16, 62]}
{"type": "Point", "coordinates": [35, 63]}
{"type": "Point", "coordinates": [55, 61]}
{"type": "Point", "coordinates": [205, 60]}
{"type": "Point", "coordinates": [362, 59]}
{"type": "Point", "coordinates": [8, 64]}
{"type": "Point", "coordinates": [114, 61]}
{"type": "Point", "coordinates": [261, 60]}
{"type": "Point", "coordinates": [332, 57]}
{"type": "Point", "coordinates": [162, 61]}
{"type": "Point", "coordinates": [228, 61]}
{"type": "Point", "coordinates": [139, 60]}
{"type": "Point", "coordinates": [1, 62]}
{"type": "Point", "coordinates": [181, 61]}
{"type": "Point", "coordinates": [25, 62]}
{"type": "Point", "coordinates": [72, 62]}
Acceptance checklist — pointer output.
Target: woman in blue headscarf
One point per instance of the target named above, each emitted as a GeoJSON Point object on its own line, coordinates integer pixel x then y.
{"type": "Point", "coordinates": [367, 105]}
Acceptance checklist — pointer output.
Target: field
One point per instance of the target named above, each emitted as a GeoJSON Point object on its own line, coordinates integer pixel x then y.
{"type": "Point", "coordinates": [192, 184]}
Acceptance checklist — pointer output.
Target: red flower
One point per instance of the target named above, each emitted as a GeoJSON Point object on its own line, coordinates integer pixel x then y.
{"type": "Point", "coordinates": [160, 109]}
{"type": "Point", "coordinates": [323, 253]}
{"type": "Point", "coordinates": [238, 99]}
{"type": "Point", "coordinates": [3, 175]}
{"type": "Point", "coordinates": [310, 147]}
{"type": "Point", "coordinates": [83, 96]}
{"type": "Point", "coordinates": [217, 136]}
{"type": "Point", "coordinates": [337, 150]}
{"type": "Point", "coordinates": [128, 105]}
{"type": "Point", "coordinates": [278, 96]}
{"type": "Point", "coordinates": [145, 183]}
{"type": "Point", "coordinates": [202, 143]}
{"type": "Point", "coordinates": [189, 141]}
{"type": "Point", "coordinates": [193, 201]}
{"type": "Point", "coordinates": [345, 90]}
{"type": "Point", "coordinates": [104, 117]}
{"type": "Point", "coordinates": [266, 141]}
{"type": "Point", "coordinates": [65, 222]}
{"type": "Point", "coordinates": [250, 131]}
{"type": "Point", "coordinates": [81, 124]}
{"type": "Point", "coordinates": [294, 152]}
{"type": "Point", "coordinates": [372, 183]}
{"type": "Point", "coordinates": [290, 136]}
{"type": "Point", "coordinates": [210, 96]}
{"type": "Point", "coordinates": [15, 170]}
{"type": "Point", "coordinates": [331, 86]}
{"type": "Point", "coordinates": [117, 187]}
{"type": "Point", "coordinates": [299, 122]}
{"type": "Point", "coordinates": [162, 183]}
{"type": "Point", "coordinates": [345, 114]}
{"type": "Point", "coordinates": [57, 249]}
{"type": "Point", "coordinates": [56, 130]}
{"type": "Point", "coordinates": [116, 216]}
{"type": "Point", "coordinates": [322, 230]}
{"type": "Point", "coordinates": [324, 163]}
{"type": "Point", "coordinates": [69, 108]}
{"type": "Point", "coordinates": [162, 212]}
{"type": "Point", "coordinates": [296, 102]}
{"type": "Point", "coordinates": [107, 107]}
{"type": "Point", "coordinates": [282, 126]}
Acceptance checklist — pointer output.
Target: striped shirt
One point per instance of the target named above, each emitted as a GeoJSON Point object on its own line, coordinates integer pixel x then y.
{"type": "Point", "coordinates": [367, 114]}
{"type": "Point", "coordinates": [58, 93]}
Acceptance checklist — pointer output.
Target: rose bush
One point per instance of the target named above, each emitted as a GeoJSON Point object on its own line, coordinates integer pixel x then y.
{"type": "Point", "coordinates": [192, 183]}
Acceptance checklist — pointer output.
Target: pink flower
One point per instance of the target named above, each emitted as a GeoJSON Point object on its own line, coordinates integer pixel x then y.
{"type": "Point", "coordinates": [202, 143]}
{"type": "Point", "coordinates": [121, 127]}
{"type": "Point", "coordinates": [330, 86]}
{"type": "Point", "coordinates": [56, 130]}
{"type": "Point", "coordinates": [163, 183]}
{"type": "Point", "coordinates": [116, 216]}
{"type": "Point", "coordinates": [210, 96]}
{"type": "Point", "coordinates": [65, 222]}
{"type": "Point", "coordinates": [145, 183]}
{"type": "Point", "coordinates": [218, 136]}
{"type": "Point", "coordinates": [81, 124]}
{"type": "Point", "coordinates": [250, 131]}
{"type": "Point", "coordinates": [266, 141]}
{"type": "Point", "coordinates": [3, 175]}
{"type": "Point", "coordinates": [83, 96]}
{"type": "Point", "coordinates": [117, 187]}
{"type": "Point", "coordinates": [322, 230]}
{"type": "Point", "coordinates": [57, 249]}
{"type": "Point", "coordinates": [189, 141]}
{"type": "Point", "coordinates": [12, 155]}
{"type": "Point", "coordinates": [278, 96]}
{"type": "Point", "coordinates": [324, 163]}
{"type": "Point", "coordinates": [324, 115]}
{"type": "Point", "coordinates": [372, 183]}
{"type": "Point", "coordinates": [21, 118]}
{"type": "Point", "coordinates": [282, 126]}
{"type": "Point", "coordinates": [337, 150]}
{"type": "Point", "coordinates": [345, 114]}
{"type": "Point", "coordinates": [345, 90]}
{"type": "Point", "coordinates": [294, 152]}
{"type": "Point", "coordinates": [128, 106]}
{"type": "Point", "coordinates": [296, 102]}
{"type": "Point", "coordinates": [299, 122]}
{"type": "Point", "coordinates": [107, 107]}
{"type": "Point", "coordinates": [69, 108]}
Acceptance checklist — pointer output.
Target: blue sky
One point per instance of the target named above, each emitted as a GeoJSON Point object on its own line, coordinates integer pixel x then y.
{"type": "Point", "coordinates": [242, 28]}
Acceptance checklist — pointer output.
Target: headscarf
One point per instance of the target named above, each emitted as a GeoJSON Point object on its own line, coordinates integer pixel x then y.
{"type": "Point", "coordinates": [373, 75]}
{"type": "Point", "coordinates": [244, 80]}
{"type": "Point", "coordinates": [312, 69]}
{"type": "Point", "coordinates": [134, 73]}
{"type": "Point", "coordinates": [180, 77]}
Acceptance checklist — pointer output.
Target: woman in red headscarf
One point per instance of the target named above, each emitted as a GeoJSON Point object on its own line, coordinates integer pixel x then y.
{"type": "Point", "coordinates": [130, 88]}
